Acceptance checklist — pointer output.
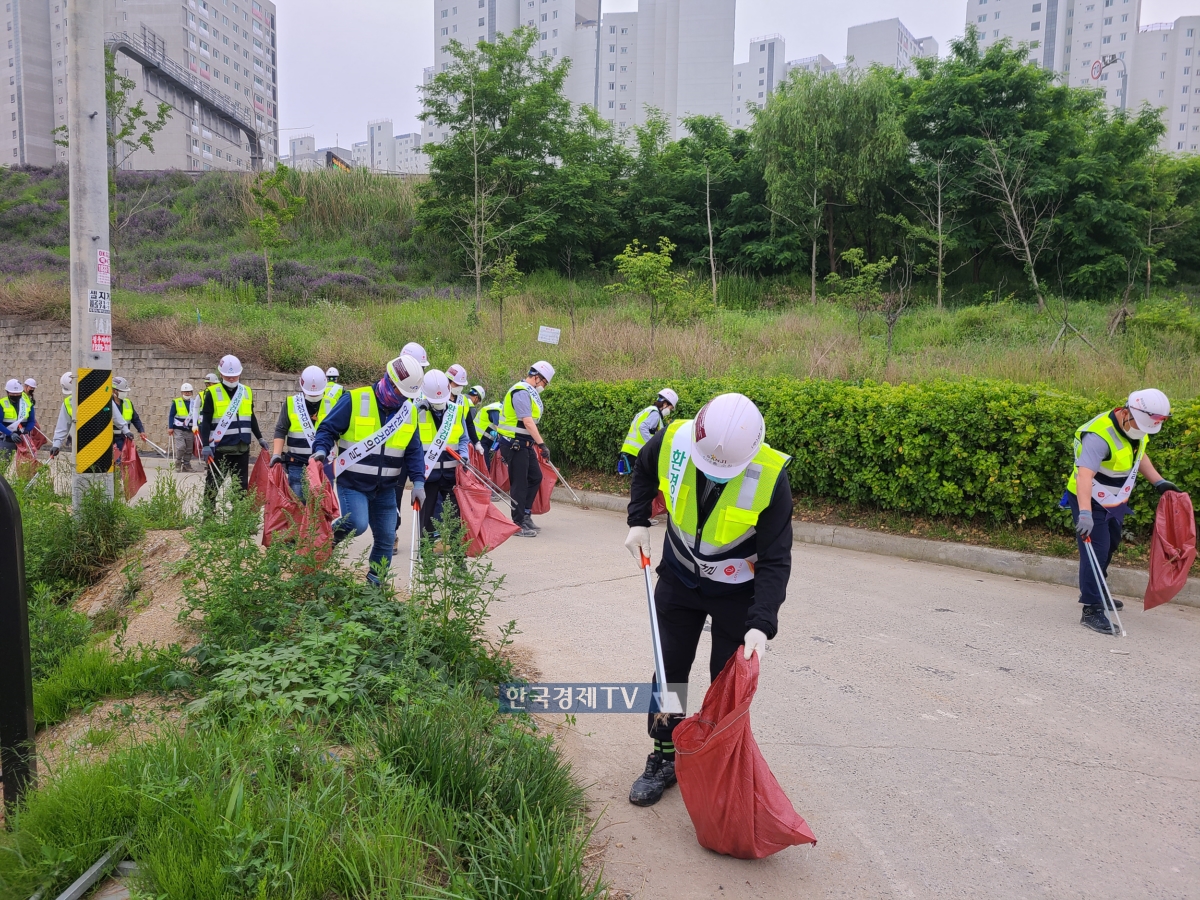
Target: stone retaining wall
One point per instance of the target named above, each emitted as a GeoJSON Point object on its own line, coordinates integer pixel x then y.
{"type": "Point", "coordinates": [42, 350]}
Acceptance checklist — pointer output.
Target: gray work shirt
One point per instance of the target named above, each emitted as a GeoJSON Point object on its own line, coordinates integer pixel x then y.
{"type": "Point", "coordinates": [522, 404]}
{"type": "Point", "coordinates": [1093, 453]}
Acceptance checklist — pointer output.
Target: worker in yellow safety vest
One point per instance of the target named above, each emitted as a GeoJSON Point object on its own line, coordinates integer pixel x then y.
{"type": "Point", "coordinates": [727, 554]}
{"type": "Point", "coordinates": [296, 427]}
{"type": "Point", "coordinates": [644, 426]}
{"type": "Point", "coordinates": [521, 444]}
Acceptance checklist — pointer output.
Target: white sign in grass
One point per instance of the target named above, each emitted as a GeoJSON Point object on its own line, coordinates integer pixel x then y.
{"type": "Point", "coordinates": [548, 335]}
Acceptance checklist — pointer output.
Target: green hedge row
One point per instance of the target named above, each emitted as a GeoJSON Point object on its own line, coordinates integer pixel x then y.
{"type": "Point", "coordinates": [991, 449]}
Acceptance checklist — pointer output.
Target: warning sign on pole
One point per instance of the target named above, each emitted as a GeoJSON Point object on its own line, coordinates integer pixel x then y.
{"type": "Point", "coordinates": [103, 271]}
{"type": "Point", "coordinates": [1097, 69]}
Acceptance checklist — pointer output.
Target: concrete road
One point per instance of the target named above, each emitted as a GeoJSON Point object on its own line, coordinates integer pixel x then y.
{"type": "Point", "coordinates": [946, 733]}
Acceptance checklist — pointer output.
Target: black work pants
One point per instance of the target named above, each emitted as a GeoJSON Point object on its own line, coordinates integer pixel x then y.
{"type": "Point", "coordinates": [524, 475]}
{"type": "Point", "coordinates": [681, 613]}
{"type": "Point", "coordinates": [439, 487]}
{"type": "Point", "coordinates": [226, 465]}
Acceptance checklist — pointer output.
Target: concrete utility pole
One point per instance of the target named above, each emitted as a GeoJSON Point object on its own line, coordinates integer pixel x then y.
{"type": "Point", "coordinates": [91, 278]}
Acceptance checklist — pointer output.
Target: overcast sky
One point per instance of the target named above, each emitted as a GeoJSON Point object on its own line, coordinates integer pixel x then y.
{"type": "Point", "coordinates": [343, 63]}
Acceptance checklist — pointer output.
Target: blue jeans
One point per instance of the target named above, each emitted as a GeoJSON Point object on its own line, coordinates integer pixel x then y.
{"type": "Point", "coordinates": [1106, 536]}
{"type": "Point", "coordinates": [297, 481]}
{"type": "Point", "coordinates": [369, 509]}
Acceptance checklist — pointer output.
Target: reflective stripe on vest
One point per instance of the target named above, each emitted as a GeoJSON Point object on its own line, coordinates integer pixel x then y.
{"type": "Point", "coordinates": [723, 550]}
{"type": "Point", "coordinates": [508, 426]}
{"type": "Point", "coordinates": [333, 393]}
{"type": "Point", "coordinates": [182, 412]}
{"type": "Point", "coordinates": [297, 439]}
{"type": "Point", "coordinates": [633, 441]}
{"type": "Point", "coordinates": [384, 461]}
{"type": "Point", "coordinates": [1114, 480]}
{"type": "Point", "coordinates": [239, 431]}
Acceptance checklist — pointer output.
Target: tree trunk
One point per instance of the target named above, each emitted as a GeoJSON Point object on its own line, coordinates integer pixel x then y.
{"type": "Point", "coordinates": [941, 267]}
{"type": "Point", "coordinates": [267, 266]}
{"type": "Point", "coordinates": [829, 229]}
{"type": "Point", "coordinates": [712, 260]}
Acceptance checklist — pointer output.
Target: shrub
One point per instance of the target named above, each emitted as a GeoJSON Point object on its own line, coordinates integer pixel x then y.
{"type": "Point", "coordinates": [991, 449]}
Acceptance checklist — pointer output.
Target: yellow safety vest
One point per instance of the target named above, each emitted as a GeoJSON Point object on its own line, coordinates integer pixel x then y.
{"type": "Point", "coordinates": [508, 425]}
{"type": "Point", "coordinates": [9, 413]}
{"type": "Point", "coordinates": [239, 429]}
{"type": "Point", "coordinates": [333, 393]}
{"type": "Point", "coordinates": [634, 442]}
{"type": "Point", "coordinates": [429, 428]}
{"type": "Point", "coordinates": [297, 441]}
{"type": "Point", "coordinates": [1116, 476]}
{"type": "Point", "coordinates": [724, 550]}
{"type": "Point", "coordinates": [386, 461]}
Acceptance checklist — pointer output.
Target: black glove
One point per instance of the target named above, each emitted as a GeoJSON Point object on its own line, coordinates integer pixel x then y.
{"type": "Point", "coordinates": [544, 452]}
{"type": "Point", "coordinates": [262, 442]}
{"type": "Point", "coordinates": [54, 451]}
{"type": "Point", "coordinates": [277, 460]}
{"type": "Point", "coordinates": [1166, 487]}
{"type": "Point", "coordinates": [319, 456]}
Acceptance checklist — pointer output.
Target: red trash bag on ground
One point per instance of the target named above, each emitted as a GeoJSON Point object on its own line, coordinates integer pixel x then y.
{"type": "Point", "coordinates": [1172, 548]}
{"type": "Point", "coordinates": [541, 503]}
{"type": "Point", "coordinates": [283, 508]}
{"type": "Point", "coordinates": [659, 507]}
{"type": "Point", "coordinates": [499, 472]}
{"type": "Point", "coordinates": [316, 530]}
{"type": "Point", "coordinates": [132, 473]}
{"type": "Point", "coordinates": [736, 805]}
{"type": "Point", "coordinates": [487, 528]}
{"type": "Point", "coordinates": [258, 485]}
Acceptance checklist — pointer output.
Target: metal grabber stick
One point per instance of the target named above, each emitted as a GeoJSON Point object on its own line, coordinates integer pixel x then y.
{"type": "Point", "coordinates": [564, 483]}
{"type": "Point", "coordinates": [416, 540]}
{"type": "Point", "coordinates": [483, 478]}
{"type": "Point", "coordinates": [668, 700]}
{"type": "Point", "coordinates": [1106, 597]}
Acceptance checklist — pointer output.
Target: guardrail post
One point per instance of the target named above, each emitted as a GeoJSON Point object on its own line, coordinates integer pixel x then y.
{"type": "Point", "coordinates": [18, 765]}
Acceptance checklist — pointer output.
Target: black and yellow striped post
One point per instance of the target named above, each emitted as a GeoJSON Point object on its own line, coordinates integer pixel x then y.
{"type": "Point", "coordinates": [93, 422]}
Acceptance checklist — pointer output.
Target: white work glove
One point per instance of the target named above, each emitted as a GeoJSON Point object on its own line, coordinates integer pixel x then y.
{"type": "Point", "coordinates": [479, 447]}
{"type": "Point", "coordinates": [755, 640]}
{"type": "Point", "coordinates": [638, 542]}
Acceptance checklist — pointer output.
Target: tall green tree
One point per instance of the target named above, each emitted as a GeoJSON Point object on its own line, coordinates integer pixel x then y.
{"type": "Point", "coordinates": [827, 142]}
{"type": "Point", "coordinates": [503, 121]}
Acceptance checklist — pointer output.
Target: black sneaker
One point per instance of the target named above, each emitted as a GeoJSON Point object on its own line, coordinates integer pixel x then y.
{"type": "Point", "coordinates": [1094, 618]}
{"type": "Point", "coordinates": [527, 532]}
{"type": "Point", "coordinates": [527, 522]}
{"type": "Point", "coordinates": [659, 775]}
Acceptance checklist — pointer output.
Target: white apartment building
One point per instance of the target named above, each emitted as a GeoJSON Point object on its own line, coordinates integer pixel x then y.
{"type": "Point", "coordinates": [755, 79]}
{"type": "Point", "coordinates": [1164, 76]}
{"type": "Point", "coordinates": [1070, 36]}
{"type": "Point", "coordinates": [381, 146]}
{"type": "Point", "coordinates": [305, 156]}
{"type": "Point", "coordinates": [887, 43]}
{"type": "Point", "coordinates": [360, 155]}
{"type": "Point", "coordinates": [410, 160]}
{"type": "Point", "coordinates": [213, 61]}
{"type": "Point", "coordinates": [618, 69]}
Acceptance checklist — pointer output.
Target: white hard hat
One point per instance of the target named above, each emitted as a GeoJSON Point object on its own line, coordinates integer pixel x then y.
{"type": "Point", "coordinates": [332, 372]}
{"type": "Point", "coordinates": [210, 378]}
{"type": "Point", "coordinates": [31, 383]}
{"type": "Point", "coordinates": [478, 391]}
{"type": "Point", "coordinates": [13, 386]}
{"type": "Point", "coordinates": [405, 373]}
{"type": "Point", "coordinates": [670, 396]}
{"type": "Point", "coordinates": [436, 387]}
{"type": "Point", "coordinates": [229, 366]}
{"type": "Point", "coordinates": [726, 434]}
{"type": "Point", "coordinates": [457, 375]}
{"type": "Point", "coordinates": [67, 382]}
{"type": "Point", "coordinates": [1150, 408]}
{"type": "Point", "coordinates": [186, 388]}
{"type": "Point", "coordinates": [312, 383]}
{"type": "Point", "coordinates": [543, 368]}
{"type": "Point", "coordinates": [417, 352]}
{"type": "Point", "coordinates": [120, 384]}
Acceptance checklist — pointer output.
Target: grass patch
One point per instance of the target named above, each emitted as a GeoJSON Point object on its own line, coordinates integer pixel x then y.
{"type": "Point", "coordinates": [87, 675]}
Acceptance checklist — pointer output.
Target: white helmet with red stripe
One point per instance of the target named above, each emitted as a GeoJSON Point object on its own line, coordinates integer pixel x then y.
{"type": "Point", "coordinates": [726, 435]}
{"type": "Point", "coordinates": [457, 375]}
{"type": "Point", "coordinates": [405, 373]}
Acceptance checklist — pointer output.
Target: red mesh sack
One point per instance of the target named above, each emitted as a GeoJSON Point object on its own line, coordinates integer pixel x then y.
{"type": "Point", "coordinates": [659, 507]}
{"type": "Point", "coordinates": [1172, 548]}
{"type": "Point", "coordinates": [196, 445]}
{"type": "Point", "coordinates": [37, 439]}
{"type": "Point", "coordinates": [486, 527]}
{"type": "Point", "coordinates": [499, 472]}
{"type": "Point", "coordinates": [320, 512]}
{"type": "Point", "coordinates": [541, 503]}
{"type": "Point", "coordinates": [258, 485]}
{"type": "Point", "coordinates": [736, 805]}
{"type": "Point", "coordinates": [26, 458]}
{"type": "Point", "coordinates": [283, 508]}
{"type": "Point", "coordinates": [132, 474]}
{"type": "Point", "coordinates": [475, 458]}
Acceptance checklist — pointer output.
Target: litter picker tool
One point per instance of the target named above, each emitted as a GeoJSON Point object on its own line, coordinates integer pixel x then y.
{"type": "Point", "coordinates": [567, 486]}
{"type": "Point", "coordinates": [667, 700]}
{"type": "Point", "coordinates": [416, 540]}
{"type": "Point", "coordinates": [1106, 597]}
{"type": "Point", "coordinates": [164, 453]}
{"type": "Point", "coordinates": [484, 478]}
